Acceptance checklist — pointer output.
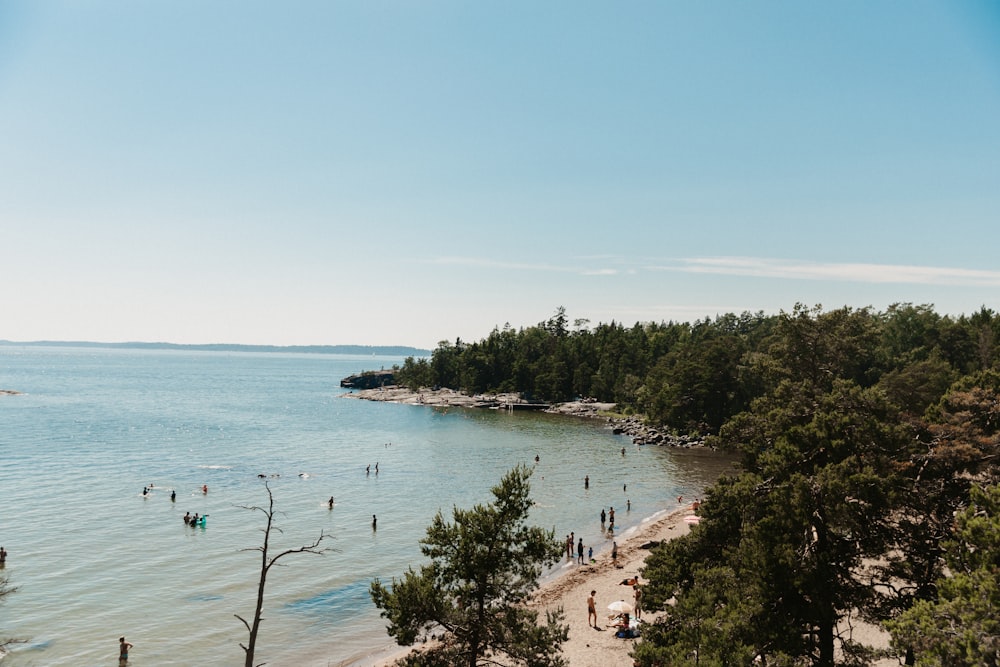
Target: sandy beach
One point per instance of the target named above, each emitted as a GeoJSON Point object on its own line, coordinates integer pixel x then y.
{"type": "Point", "coordinates": [589, 647]}
{"type": "Point", "coordinates": [586, 646]}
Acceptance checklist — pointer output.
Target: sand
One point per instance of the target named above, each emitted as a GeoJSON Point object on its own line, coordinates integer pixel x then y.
{"type": "Point", "coordinates": [586, 646]}
{"type": "Point", "coordinates": [589, 647]}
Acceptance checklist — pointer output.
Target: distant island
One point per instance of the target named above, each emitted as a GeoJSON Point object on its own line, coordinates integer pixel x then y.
{"type": "Point", "coordinates": [367, 350]}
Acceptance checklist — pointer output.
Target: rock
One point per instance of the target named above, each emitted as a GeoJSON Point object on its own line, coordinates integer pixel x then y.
{"type": "Point", "coordinates": [369, 380]}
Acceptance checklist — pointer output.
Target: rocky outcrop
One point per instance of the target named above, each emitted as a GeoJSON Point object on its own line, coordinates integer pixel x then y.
{"type": "Point", "coordinates": [640, 432]}
{"type": "Point", "coordinates": [369, 380]}
{"type": "Point", "coordinates": [644, 434]}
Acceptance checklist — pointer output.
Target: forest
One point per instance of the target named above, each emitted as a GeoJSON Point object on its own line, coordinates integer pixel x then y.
{"type": "Point", "coordinates": [867, 485]}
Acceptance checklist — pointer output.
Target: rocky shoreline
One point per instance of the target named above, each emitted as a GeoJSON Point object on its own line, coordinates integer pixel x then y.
{"type": "Point", "coordinates": [631, 426]}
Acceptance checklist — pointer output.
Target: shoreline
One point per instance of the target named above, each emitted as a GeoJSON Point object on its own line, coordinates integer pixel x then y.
{"type": "Point", "coordinates": [631, 426]}
{"type": "Point", "coordinates": [569, 586]}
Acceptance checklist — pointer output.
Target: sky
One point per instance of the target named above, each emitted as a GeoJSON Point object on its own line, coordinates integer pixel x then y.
{"type": "Point", "coordinates": [403, 173]}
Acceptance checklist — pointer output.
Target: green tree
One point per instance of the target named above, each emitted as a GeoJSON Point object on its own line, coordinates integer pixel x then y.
{"type": "Point", "coordinates": [483, 565]}
{"type": "Point", "coordinates": [961, 628]}
{"type": "Point", "coordinates": [918, 385]}
{"type": "Point", "coordinates": [794, 528]}
{"type": "Point", "coordinates": [695, 387]}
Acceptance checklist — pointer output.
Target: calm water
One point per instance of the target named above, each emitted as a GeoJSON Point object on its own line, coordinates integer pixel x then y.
{"type": "Point", "coordinates": [94, 559]}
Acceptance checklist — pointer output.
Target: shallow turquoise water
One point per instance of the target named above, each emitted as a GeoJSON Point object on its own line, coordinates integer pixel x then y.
{"type": "Point", "coordinates": [94, 559]}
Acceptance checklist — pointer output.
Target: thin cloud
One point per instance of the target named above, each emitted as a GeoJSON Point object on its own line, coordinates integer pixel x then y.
{"type": "Point", "coordinates": [486, 263]}
{"type": "Point", "coordinates": [865, 273]}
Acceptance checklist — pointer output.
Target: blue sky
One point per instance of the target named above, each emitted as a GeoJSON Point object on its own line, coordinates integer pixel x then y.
{"type": "Point", "coordinates": [408, 172]}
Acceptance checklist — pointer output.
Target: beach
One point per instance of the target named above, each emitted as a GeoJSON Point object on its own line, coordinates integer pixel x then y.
{"type": "Point", "coordinates": [590, 647]}
{"type": "Point", "coordinates": [587, 646]}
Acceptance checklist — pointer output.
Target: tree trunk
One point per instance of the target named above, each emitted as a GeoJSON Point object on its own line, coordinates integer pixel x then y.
{"type": "Point", "coordinates": [825, 636]}
{"type": "Point", "coordinates": [264, 565]}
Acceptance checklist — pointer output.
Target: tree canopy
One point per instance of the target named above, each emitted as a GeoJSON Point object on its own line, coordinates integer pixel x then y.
{"type": "Point", "coordinates": [482, 566]}
{"type": "Point", "coordinates": [961, 627]}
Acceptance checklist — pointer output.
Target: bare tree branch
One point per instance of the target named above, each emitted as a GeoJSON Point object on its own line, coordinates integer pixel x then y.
{"type": "Point", "coordinates": [267, 562]}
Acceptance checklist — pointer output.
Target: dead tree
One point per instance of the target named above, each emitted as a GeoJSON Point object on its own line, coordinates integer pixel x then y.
{"type": "Point", "coordinates": [5, 590]}
{"type": "Point", "coordinates": [266, 562]}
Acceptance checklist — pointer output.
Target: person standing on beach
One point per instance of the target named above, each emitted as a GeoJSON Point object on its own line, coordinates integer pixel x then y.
{"type": "Point", "coordinates": [637, 595]}
{"type": "Point", "coordinates": [614, 553]}
{"type": "Point", "coordinates": [123, 647]}
{"type": "Point", "coordinates": [579, 552]}
{"type": "Point", "coordinates": [592, 609]}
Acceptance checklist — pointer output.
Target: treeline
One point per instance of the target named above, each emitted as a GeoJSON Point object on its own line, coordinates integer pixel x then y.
{"type": "Point", "coordinates": [694, 377]}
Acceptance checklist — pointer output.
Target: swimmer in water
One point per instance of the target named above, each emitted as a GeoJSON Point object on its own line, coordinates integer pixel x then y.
{"type": "Point", "coordinates": [330, 502]}
{"type": "Point", "coordinates": [123, 647]}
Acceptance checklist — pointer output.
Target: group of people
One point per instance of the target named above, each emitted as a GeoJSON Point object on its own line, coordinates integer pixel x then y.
{"type": "Point", "coordinates": [573, 544]}
{"type": "Point", "coordinates": [622, 620]}
{"type": "Point", "coordinates": [196, 520]}
{"type": "Point", "coordinates": [173, 493]}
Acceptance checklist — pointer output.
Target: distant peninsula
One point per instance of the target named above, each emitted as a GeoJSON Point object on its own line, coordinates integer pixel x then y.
{"type": "Point", "coordinates": [366, 350]}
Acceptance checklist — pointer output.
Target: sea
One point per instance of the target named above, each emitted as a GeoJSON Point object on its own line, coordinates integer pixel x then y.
{"type": "Point", "coordinates": [94, 558]}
